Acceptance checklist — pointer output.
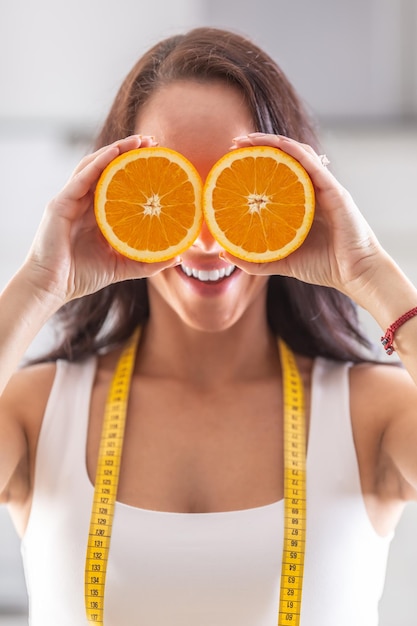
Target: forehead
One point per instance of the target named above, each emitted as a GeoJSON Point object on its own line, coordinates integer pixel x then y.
{"type": "Point", "coordinates": [198, 119]}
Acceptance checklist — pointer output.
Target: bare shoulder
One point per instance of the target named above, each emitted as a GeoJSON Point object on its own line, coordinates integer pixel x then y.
{"type": "Point", "coordinates": [28, 389]}
{"type": "Point", "coordinates": [22, 406]}
{"type": "Point", "coordinates": [383, 389]}
{"type": "Point", "coordinates": [384, 420]}
{"type": "Point", "coordinates": [25, 399]}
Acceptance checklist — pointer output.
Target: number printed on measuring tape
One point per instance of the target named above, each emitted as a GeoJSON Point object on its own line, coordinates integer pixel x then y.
{"type": "Point", "coordinates": [294, 492]}
{"type": "Point", "coordinates": [107, 477]}
{"type": "Point", "coordinates": [106, 483]}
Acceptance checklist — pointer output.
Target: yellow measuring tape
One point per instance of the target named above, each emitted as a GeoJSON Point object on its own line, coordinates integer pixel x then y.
{"type": "Point", "coordinates": [295, 497]}
{"type": "Point", "coordinates": [107, 477]}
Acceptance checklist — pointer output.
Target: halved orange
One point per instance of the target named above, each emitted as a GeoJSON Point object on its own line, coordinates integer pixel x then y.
{"type": "Point", "coordinates": [148, 204]}
{"type": "Point", "coordinates": [258, 203]}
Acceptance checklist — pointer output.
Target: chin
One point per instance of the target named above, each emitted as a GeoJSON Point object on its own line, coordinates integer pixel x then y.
{"type": "Point", "coordinates": [211, 324]}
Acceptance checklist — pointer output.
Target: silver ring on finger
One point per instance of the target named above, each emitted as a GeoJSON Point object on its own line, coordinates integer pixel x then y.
{"type": "Point", "coordinates": [324, 160]}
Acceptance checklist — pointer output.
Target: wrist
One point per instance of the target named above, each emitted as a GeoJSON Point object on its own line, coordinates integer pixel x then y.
{"type": "Point", "coordinates": [388, 293]}
{"type": "Point", "coordinates": [25, 309]}
{"type": "Point", "coordinates": [35, 294]}
{"type": "Point", "coordinates": [388, 339]}
{"type": "Point", "coordinates": [42, 285]}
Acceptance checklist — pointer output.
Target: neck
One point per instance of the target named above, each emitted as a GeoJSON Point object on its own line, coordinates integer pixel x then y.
{"type": "Point", "coordinates": [247, 350]}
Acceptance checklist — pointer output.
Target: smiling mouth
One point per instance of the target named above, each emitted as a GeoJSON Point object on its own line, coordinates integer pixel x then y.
{"type": "Point", "coordinates": [208, 275]}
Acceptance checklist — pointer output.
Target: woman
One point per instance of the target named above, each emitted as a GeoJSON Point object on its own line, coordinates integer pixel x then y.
{"type": "Point", "coordinates": [198, 527]}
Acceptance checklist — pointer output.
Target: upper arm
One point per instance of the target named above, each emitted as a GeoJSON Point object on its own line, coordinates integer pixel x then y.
{"type": "Point", "coordinates": [22, 405]}
{"type": "Point", "coordinates": [385, 397]}
{"type": "Point", "coordinates": [399, 441]}
{"type": "Point", "coordinates": [13, 443]}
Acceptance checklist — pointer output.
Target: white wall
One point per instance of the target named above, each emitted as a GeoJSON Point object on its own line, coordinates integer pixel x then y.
{"type": "Point", "coordinates": [350, 59]}
{"type": "Point", "coordinates": [62, 61]}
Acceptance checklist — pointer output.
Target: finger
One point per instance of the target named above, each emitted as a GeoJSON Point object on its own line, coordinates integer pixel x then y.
{"type": "Point", "coordinates": [128, 143]}
{"type": "Point", "coordinates": [304, 153]}
{"type": "Point", "coordinates": [123, 145]}
{"type": "Point", "coordinates": [155, 268]}
{"type": "Point", "coordinates": [135, 269]}
{"type": "Point", "coordinates": [90, 169]}
{"type": "Point", "coordinates": [311, 161]}
{"type": "Point", "coordinates": [265, 139]}
{"type": "Point", "coordinates": [247, 266]}
{"type": "Point", "coordinates": [86, 177]}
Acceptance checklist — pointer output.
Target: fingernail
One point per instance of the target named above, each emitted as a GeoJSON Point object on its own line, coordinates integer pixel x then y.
{"type": "Point", "coordinates": [151, 140]}
{"type": "Point", "coordinates": [240, 138]}
{"type": "Point", "coordinates": [257, 135]}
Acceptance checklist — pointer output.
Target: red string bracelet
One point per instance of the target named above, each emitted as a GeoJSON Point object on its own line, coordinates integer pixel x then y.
{"type": "Point", "coordinates": [388, 338]}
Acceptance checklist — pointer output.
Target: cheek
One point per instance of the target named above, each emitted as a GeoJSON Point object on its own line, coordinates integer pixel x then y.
{"type": "Point", "coordinates": [159, 282]}
{"type": "Point", "coordinates": [258, 285]}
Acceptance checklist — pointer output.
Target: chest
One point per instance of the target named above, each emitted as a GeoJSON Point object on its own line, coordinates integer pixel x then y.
{"type": "Point", "coordinates": [224, 566]}
{"type": "Point", "coordinates": [197, 450]}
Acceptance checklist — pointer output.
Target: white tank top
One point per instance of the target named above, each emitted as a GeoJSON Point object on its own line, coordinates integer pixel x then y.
{"type": "Point", "coordinates": [201, 569]}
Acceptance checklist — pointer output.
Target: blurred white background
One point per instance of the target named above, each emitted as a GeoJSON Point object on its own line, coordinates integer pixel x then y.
{"type": "Point", "coordinates": [355, 64]}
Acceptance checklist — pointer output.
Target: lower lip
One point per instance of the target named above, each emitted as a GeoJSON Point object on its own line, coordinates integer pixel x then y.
{"type": "Point", "coordinates": [209, 287]}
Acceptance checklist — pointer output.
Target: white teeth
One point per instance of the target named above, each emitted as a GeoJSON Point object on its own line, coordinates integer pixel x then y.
{"type": "Point", "coordinates": [208, 275]}
{"type": "Point", "coordinates": [214, 275]}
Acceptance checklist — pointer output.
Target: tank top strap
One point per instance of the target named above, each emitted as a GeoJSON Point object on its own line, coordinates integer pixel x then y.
{"type": "Point", "coordinates": [331, 450]}
{"type": "Point", "coordinates": [63, 437]}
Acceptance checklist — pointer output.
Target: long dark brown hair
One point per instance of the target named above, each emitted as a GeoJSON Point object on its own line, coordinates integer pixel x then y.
{"type": "Point", "coordinates": [313, 320]}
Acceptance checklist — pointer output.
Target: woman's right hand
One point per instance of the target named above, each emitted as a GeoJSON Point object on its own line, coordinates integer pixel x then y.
{"type": "Point", "coordinates": [69, 257]}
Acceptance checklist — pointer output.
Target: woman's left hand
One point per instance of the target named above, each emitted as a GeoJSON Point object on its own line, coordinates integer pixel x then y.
{"type": "Point", "coordinates": [340, 250]}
